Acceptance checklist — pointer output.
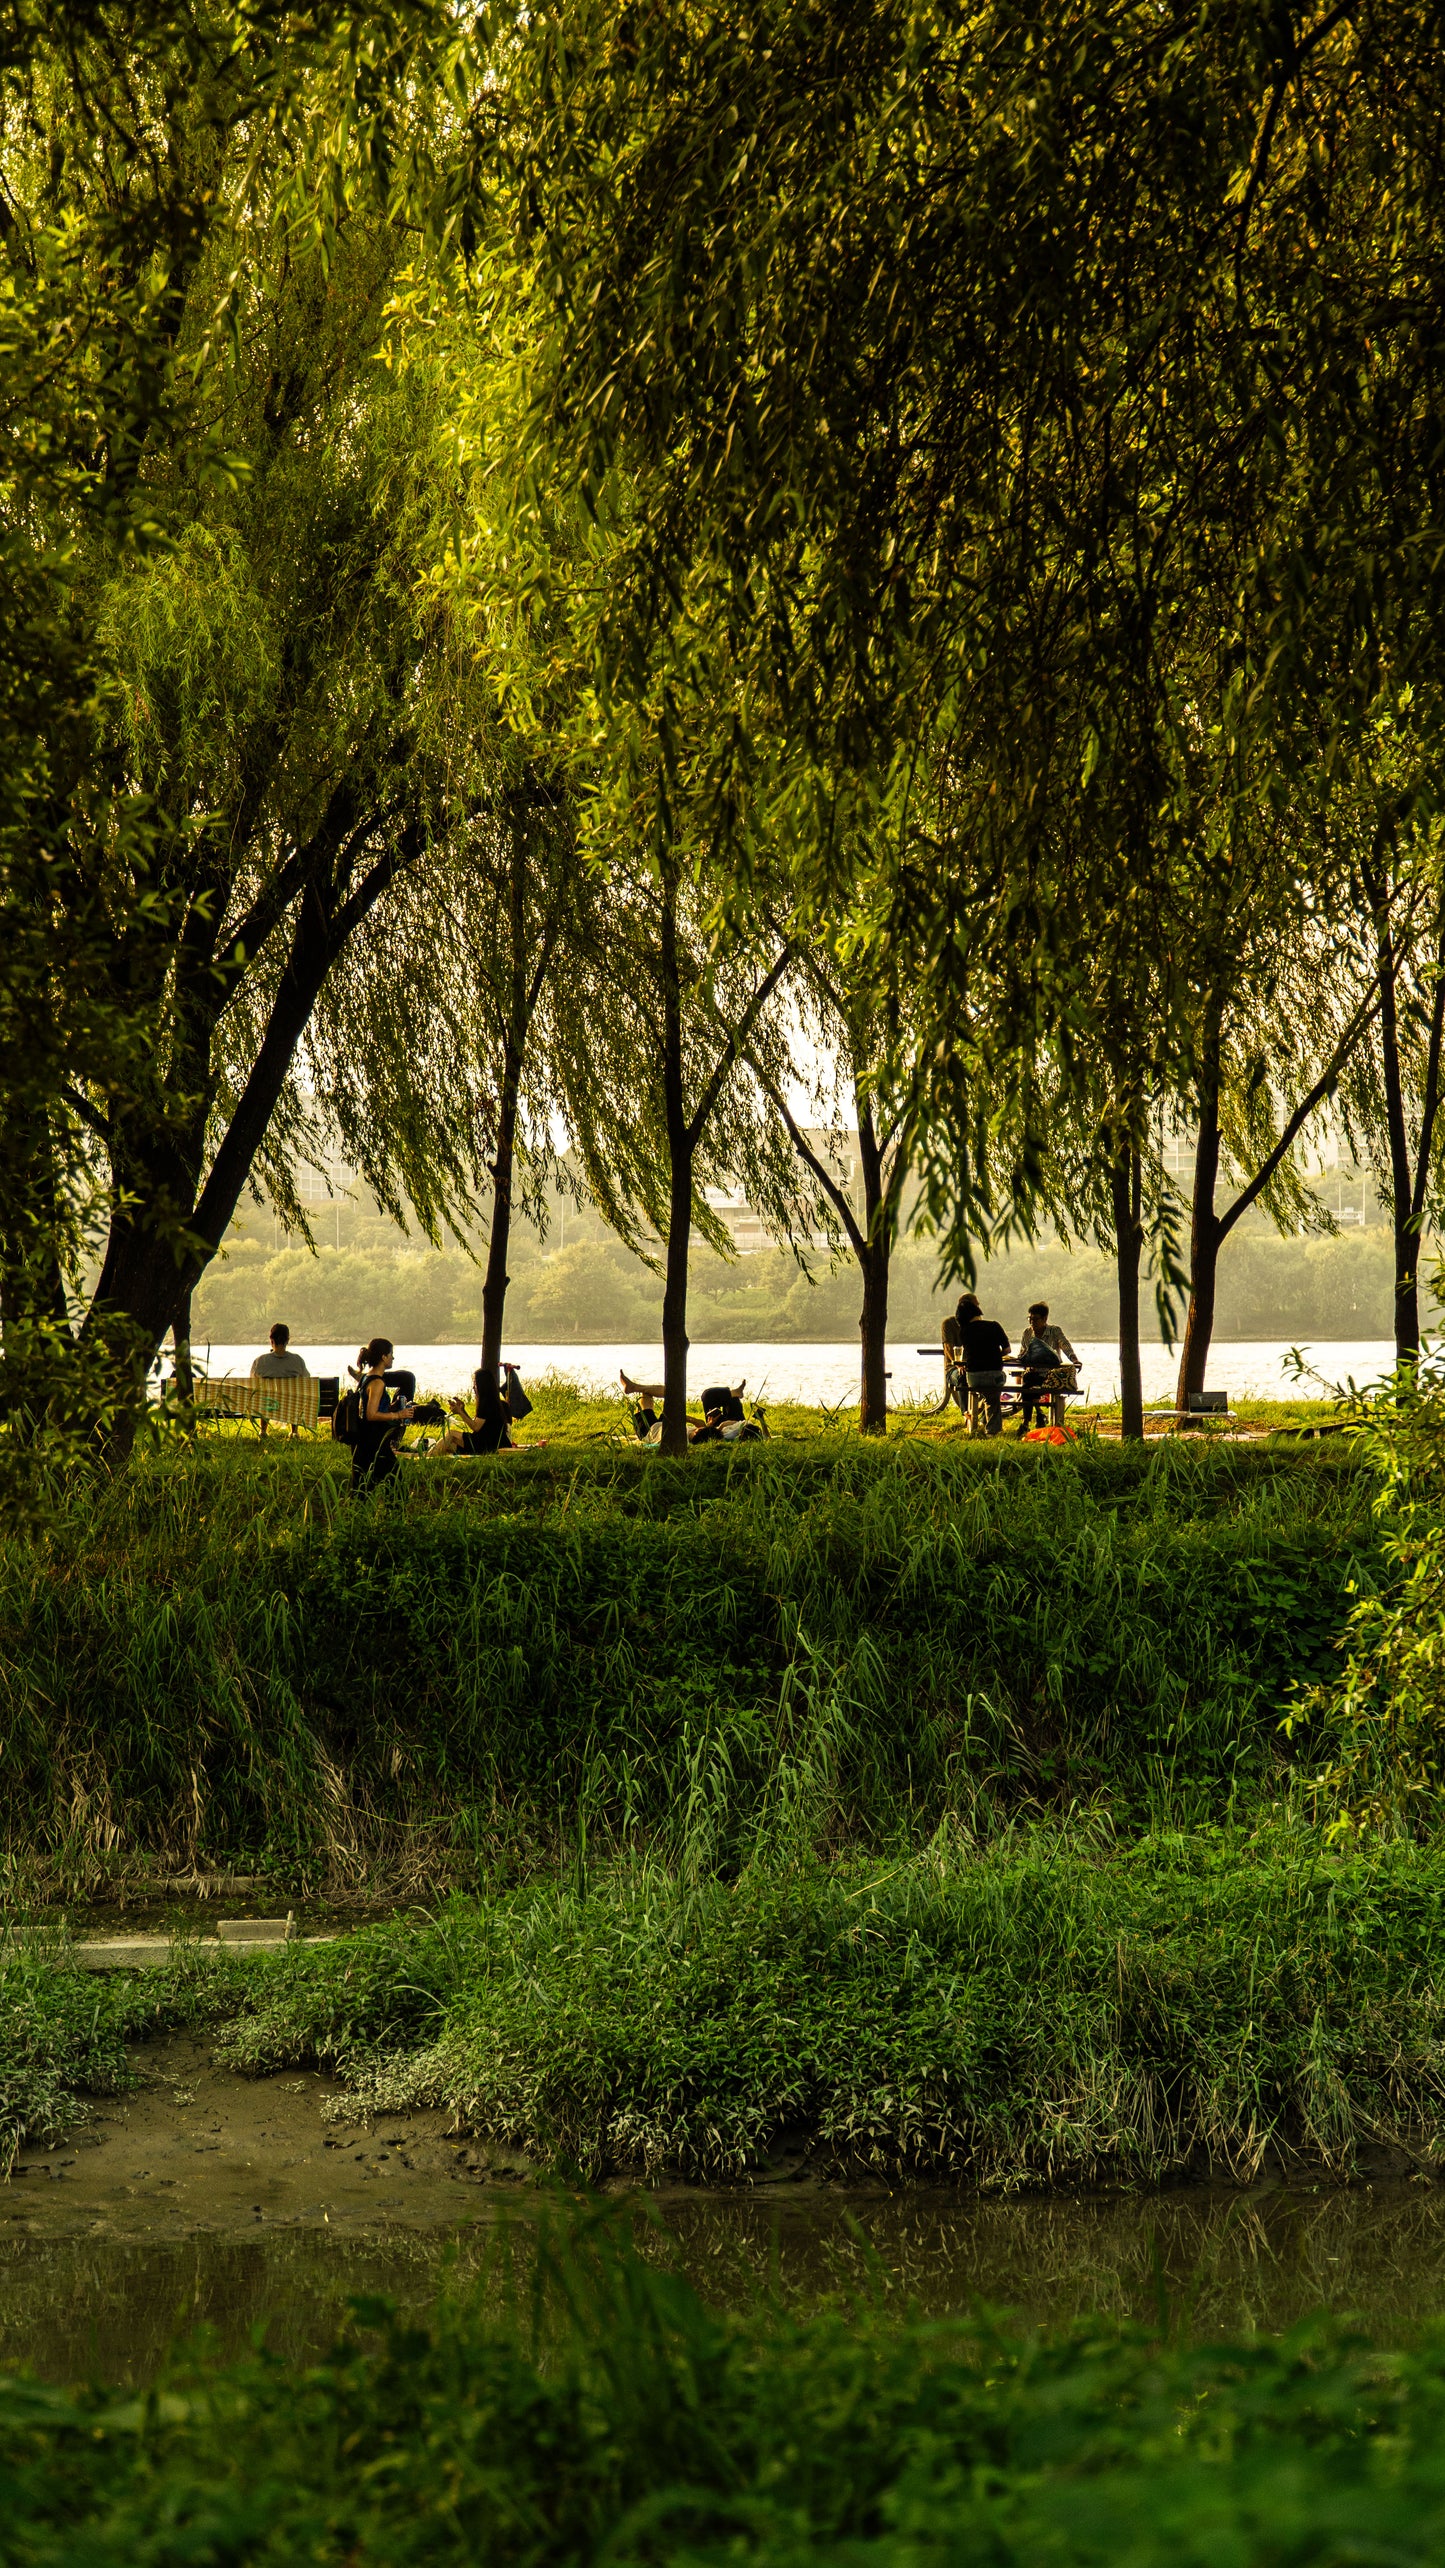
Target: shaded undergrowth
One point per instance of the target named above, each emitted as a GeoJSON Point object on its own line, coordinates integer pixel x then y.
{"type": "Point", "coordinates": [225, 1660]}
{"type": "Point", "coordinates": [614, 2417]}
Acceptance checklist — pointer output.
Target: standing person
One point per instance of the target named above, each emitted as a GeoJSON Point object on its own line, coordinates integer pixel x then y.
{"type": "Point", "coordinates": [280, 1365]}
{"type": "Point", "coordinates": [984, 1349]}
{"type": "Point", "coordinates": [383, 1419]}
{"type": "Point", "coordinates": [1064, 1358]}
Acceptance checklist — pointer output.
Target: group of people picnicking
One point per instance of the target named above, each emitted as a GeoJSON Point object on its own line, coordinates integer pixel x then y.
{"type": "Point", "coordinates": [976, 1355]}
{"type": "Point", "coordinates": [385, 1405]}
{"type": "Point", "coordinates": [976, 1366]}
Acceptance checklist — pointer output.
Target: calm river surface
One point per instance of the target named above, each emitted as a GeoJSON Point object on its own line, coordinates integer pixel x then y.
{"type": "Point", "coordinates": [1252, 1369]}
{"type": "Point", "coordinates": [106, 2308]}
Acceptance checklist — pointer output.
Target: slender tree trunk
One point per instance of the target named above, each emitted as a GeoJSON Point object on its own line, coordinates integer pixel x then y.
{"type": "Point", "coordinates": [873, 1329]}
{"type": "Point", "coordinates": [494, 1286]}
{"type": "Point", "coordinates": [679, 1203]}
{"type": "Point", "coordinates": [674, 1308]}
{"type": "Point", "coordinates": [1206, 1232]}
{"type": "Point", "coordinates": [496, 1278]}
{"type": "Point", "coordinates": [873, 1260]}
{"type": "Point", "coordinates": [1127, 1187]}
{"type": "Point", "coordinates": [1402, 1188]}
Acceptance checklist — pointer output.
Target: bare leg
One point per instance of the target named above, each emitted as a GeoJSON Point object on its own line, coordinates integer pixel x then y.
{"type": "Point", "coordinates": [450, 1443]}
{"type": "Point", "coordinates": [650, 1391]}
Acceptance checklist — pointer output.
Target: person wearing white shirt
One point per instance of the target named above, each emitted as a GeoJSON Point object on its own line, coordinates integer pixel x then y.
{"type": "Point", "coordinates": [280, 1365]}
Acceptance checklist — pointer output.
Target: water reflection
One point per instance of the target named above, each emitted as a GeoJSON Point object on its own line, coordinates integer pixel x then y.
{"type": "Point", "coordinates": [106, 2308]}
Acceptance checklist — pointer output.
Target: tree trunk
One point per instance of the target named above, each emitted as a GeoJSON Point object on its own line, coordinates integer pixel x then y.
{"type": "Point", "coordinates": [1127, 1188]}
{"type": "Point", "coordinates": [519, 1013]}
{"type": "Point", "coordinates": [141, 1277]}
{"type": "Point", "coordinates": [496, 1279]}
{"type": "Point", "coordinates": [679, 1200]}
{"type": "Point", "coordinates": [674, 1309]}
{"type": "Point", "coordinates": [873, 1260]}
{"type": "Point", "coordinates": [185, 1369]}
{"type": "Point", "coordinates": [873, 1329]}
{"type": "Point", "coordinates": [1205, 1229]}
{"type": "Point", "coordinates": [1402, 1190]}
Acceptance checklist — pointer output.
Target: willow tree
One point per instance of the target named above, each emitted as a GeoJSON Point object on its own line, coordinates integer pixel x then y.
{"type": "Point", "coordinates": [652, 1072]}
{"type": "Point", "coordinates": [173, 178]}
{"type": "Point", "coordinates": [955, 356]}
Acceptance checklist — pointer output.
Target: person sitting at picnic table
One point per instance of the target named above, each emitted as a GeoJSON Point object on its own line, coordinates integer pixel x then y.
{"type": "Point", "coordinates": [486, 1431]}
{"type": "Point", "coordinates": [281, 1365]}
{"type": "Point", "coordinates": [984, 1349]}
{"type": "Point", "coordinates": [954, 1385]}
{"type": "Point", "coordinates": [383, 1420]}
{"type": "Point", "coordinates": [1048, 1354]}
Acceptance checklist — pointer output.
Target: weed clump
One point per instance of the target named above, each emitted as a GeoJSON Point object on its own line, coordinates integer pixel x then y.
{"type": "Point", "coordinates": [1043, 2013]}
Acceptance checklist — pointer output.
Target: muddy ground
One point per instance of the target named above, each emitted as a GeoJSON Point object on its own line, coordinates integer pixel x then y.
{"type": "Point", "coordinates": [197, 2147]}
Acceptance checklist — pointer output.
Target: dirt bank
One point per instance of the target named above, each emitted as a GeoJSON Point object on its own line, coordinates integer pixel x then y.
{"type": "Point", "coordinates": [197, 2147]}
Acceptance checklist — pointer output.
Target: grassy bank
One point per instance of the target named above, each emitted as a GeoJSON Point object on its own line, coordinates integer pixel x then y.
{"type": "Point", "coordinates": [632, 2424]}
{"type": "Point", "coordinates": [1039, 2013]}
{"type": "Point", "coordinates": [224, 1661]}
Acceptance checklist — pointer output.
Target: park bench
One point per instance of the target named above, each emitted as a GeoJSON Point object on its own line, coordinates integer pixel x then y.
{"type": "Point", "coordinates": [1202, 1404]}
{"type": "Point", "coordinates": [298, 1400]}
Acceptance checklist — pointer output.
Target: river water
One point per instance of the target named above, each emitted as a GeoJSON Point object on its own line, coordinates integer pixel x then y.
{"type": "Point", "coordinates": [108, 2307]}
{"type": "Point", "coordinates": [209, 2199]}
{"type": "Point", "coordinates": [1253, 1369]}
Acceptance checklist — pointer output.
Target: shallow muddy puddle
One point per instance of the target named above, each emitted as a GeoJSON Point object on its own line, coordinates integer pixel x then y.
{"type": "Point", "coordinates": [213, 2200]}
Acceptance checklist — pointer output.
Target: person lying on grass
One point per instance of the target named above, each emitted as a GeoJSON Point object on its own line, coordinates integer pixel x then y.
{"type": "Point", "coordinates": [485, 1432]}
{"type": "Point", "coordinates": [722, 1420]}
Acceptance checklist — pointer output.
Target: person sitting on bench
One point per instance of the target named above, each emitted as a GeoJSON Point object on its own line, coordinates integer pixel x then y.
{"type": "Point", "coordinates": [984, 1349]}
{"type": "Point", "coordinates": [280, 1365]}
{"type": "Point", "coordinates": [383, 1419]}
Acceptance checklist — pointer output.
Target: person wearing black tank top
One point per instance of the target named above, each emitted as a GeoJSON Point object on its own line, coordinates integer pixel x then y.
{"type": "Point", "coordinates": [486, 1431]}
{"type": "Point", "coordinates": [383, 1419]}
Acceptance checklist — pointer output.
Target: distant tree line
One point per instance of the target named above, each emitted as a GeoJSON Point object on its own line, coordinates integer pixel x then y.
{"type": "Point", "coordinates": [563, 564]}
{"type": "Point", "coordinates": [594, 1292]}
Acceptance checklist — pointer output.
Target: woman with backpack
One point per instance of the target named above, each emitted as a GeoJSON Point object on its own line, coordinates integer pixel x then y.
{"type": "Point", "coordinates": [381, 1421]}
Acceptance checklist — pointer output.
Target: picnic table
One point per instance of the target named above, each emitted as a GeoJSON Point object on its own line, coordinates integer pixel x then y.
{"type": "Point", "coordinates": [971, 1402]}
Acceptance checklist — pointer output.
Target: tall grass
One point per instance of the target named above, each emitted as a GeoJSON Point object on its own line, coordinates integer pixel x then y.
{"type": "Point", "coordinates": [1044, 2013]}
{"type": "Point", "coordinates": [225, 1659]}
{"type": "Point", "coordinates": [615, 2418]}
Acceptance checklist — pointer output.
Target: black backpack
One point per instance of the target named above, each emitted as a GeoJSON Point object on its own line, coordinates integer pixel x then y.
{"type": "Point", "coordinates": [346, 1418]}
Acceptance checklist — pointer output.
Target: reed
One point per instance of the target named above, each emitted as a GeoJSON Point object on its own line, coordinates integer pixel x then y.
{"type": "Point", "coordinates": [225, 1661]}
{"type": "Point", "coordinates": [1051, 2010]}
